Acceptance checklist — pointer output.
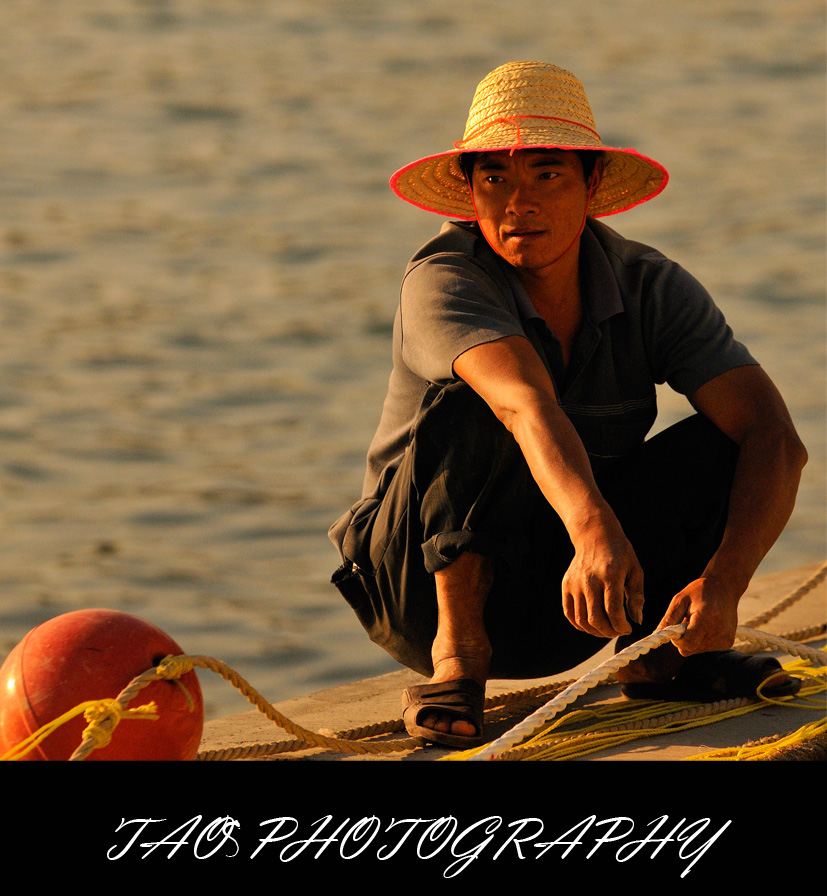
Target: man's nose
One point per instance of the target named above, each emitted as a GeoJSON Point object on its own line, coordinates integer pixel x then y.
{"type": "Point", "coordinates": [523, 201]}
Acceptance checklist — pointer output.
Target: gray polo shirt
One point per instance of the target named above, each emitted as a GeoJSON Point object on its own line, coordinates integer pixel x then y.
{"type": "Point", "coordinates": [646, 321]}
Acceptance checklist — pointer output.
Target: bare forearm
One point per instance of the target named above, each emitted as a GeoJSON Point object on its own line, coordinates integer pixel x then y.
{"type": "Point", "coordinates": [745, 404]}
{"type": "Point", "coordinates": [761, 503]}
{"type": "Point", "coordinates": [510, 377]}
{"type": "Point", "coordinates": [558, 462]}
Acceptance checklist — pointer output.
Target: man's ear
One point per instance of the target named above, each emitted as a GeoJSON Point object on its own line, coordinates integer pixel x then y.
{"type": "Point", "coordinates": [597, 174]}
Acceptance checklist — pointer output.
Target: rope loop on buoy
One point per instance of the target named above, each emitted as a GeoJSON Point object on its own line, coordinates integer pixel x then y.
{"type": "Point", "coordinates": [173, 667]}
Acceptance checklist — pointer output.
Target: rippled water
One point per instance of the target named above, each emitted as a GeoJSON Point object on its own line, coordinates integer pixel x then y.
{"type": "Point", "coordinates": [200, 259]}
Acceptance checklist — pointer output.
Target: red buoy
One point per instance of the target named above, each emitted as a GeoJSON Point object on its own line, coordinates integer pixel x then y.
{"type": "Point", "coordinates": [93, 655]}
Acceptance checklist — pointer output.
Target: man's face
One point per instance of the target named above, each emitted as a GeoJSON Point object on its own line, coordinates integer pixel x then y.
{"type": "Point", "coordinates": [530, 205]}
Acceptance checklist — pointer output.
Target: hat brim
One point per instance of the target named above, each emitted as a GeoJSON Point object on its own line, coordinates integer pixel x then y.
{"type": "Point", "coordinates": [437, 183]}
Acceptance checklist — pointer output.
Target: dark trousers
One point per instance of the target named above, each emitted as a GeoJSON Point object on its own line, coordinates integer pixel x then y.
{"type": "Point", "coordinates": [463, 485]}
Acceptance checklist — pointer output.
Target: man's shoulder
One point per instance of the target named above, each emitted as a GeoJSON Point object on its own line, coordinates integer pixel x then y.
{"type": "Point", "coordinates": [623, 250]}
{"type": "Point", "coordinates": [457, 260]}
{"type": "Point", "coordinates": [643, 272]}
{"type": "Point", "coordinates": [460, 239]}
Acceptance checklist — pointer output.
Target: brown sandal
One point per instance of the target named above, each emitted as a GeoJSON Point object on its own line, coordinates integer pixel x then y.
{"type": "Point", "coordinates": [462, 699]}
{"type": "Point", "coordinates": [716, 675]}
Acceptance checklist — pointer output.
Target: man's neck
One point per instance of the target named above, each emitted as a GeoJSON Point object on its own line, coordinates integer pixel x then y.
{"type": "Point", "coordinates": [560, 305]}
{"type": "Point", "coordinates": [555, 291]}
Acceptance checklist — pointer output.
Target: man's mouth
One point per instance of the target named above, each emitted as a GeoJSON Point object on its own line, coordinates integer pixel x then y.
{"type": "Point", "coordinates": [522, 232]}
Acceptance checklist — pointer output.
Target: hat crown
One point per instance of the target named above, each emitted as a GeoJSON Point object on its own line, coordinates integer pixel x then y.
{"type": "Point", "coordinates": [520, 91]}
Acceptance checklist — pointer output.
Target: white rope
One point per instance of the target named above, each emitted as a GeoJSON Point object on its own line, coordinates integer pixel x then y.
{"type": "Point", "coordinates": [773, 642]}
{"type": "Point", "coordinates": [605, 670]}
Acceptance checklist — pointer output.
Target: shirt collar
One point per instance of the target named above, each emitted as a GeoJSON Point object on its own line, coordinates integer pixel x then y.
{"type": "Point", "coordinates": [598, 284]}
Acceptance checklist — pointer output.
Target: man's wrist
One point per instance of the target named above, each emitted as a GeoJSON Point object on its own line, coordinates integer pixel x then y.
{"type": "Point", "coordinates": [731, 582]}
{"type": "Point", "coordinates": [591, 523]}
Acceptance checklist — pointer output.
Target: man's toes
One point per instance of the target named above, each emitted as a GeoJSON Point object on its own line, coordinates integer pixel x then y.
{"type": "Point", "coordinates": [463, 728]}
{"type": "Point", "coordinates": [448, 724]}
{"type": "Point", "coordinates": [775, 680]}
{"type": "Point", "coordinates": [436, 722]}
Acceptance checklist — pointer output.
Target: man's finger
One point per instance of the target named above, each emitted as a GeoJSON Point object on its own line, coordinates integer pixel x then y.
{"type": "Point", "coordinates": [579, 611]}
{"type": "Point", "coordinates": [615, 611]}
{"type": "Point", "coordinates": [675, 612]}
{"type": "Point", "coordinates": [634, 595]}
{"type": "Point", "coordinates": [634, 605]}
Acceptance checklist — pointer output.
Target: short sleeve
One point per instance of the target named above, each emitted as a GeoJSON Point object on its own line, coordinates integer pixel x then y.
{"type": "Point", "coordinates": [690, 341]}
{"type": "Point", "coordinates": [450, 304]}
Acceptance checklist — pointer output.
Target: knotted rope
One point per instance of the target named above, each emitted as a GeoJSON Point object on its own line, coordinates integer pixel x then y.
{"type": "Point", "coordinates": [103, 717]}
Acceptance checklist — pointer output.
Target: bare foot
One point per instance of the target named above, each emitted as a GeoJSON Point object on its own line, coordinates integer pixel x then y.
{"type": "Point", "coordinates": [461, 648]}
{"type": "Point", "coordinates": [472, 665]}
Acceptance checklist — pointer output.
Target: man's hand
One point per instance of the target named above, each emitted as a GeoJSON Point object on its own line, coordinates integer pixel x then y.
{"type": "Point", "coordinates": [603, 586]}
{"type": "Point", "coordinates": [710, 612]}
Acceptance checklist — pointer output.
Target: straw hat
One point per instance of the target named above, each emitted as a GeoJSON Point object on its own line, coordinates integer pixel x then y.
{"type": "Point", "coordinates": [522, 105]}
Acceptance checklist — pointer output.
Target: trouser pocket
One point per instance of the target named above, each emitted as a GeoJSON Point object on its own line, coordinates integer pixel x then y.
{"type": "Point", "coordinates": [350, 586]}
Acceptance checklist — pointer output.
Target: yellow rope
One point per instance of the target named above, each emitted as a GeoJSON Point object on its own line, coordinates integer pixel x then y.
{"type": "Point", "coordinates": [103, 717]}
{"type": "Point", "coordinates": [556, 742]}
{"type": "Point", "coordinates": [766, 749]}
{"type": "Point", "coordinates": [585, 731]}
{"type": "Point", "coordinates": [753, 752]}
{"type": "Point", "coordinates": [582, 732]}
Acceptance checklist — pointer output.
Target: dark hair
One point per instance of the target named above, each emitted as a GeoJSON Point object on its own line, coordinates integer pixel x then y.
{"type": "Point", "coordinates": [588, 159]}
